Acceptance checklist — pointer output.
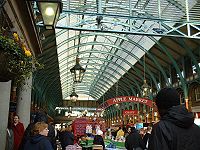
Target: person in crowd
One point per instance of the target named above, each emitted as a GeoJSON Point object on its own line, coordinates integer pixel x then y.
{"type": "Point", "coordinates": [41, 116]}
{"type": "Point", "coordinates": [98, 139]}
{"type": "Point", "coordinates": [128, 132]}
{"type": "Point", "coordinates": [134, 141]}
{"type": "Point", "coordinates": [9, 137]}
{"type": "Point", "coordinates": [83, 141]}
{"type": "Point", "coordinates": [38, 140]}
{"type": "Point", "coordinates": [113, 133]}
{"type": "Point", "coordinates": [67, 137]}
{"type": "Point", "coordinates": [18, 130]}
{"type": "Point", "coordinates": [120, 134]}
{"type": "Point", "coordinates": [146, 136]}
{"type": "Point", "coordinates": [176, 129]}
{"type": "Point", "coordinates": [141, 132]}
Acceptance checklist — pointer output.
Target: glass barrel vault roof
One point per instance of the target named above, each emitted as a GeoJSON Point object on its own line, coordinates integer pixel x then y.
{"type": "Point", "coordinates": [108, 53]}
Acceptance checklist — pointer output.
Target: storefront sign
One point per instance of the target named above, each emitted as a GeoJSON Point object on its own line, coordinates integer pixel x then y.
{"type": "Point", "coordinates": [130, 112]}
{"type": "Point", "coordinates": [122, 99]}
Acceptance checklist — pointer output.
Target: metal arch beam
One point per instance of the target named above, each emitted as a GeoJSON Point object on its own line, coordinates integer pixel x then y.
{"type": "Point", "coordinates": [93, 69]}
{"type": "Point", "coordinates": [51, 69]}
{"type": "Point", "coordinates": [121, 76]}
{"type": "Point", "coordinates": [128, 40]}
{"type": "Point", "coordinates": [114, 92]}
{"type": "Point", "coordinates": [42, 78]}
{"type": "Point", "coordinates": [48, 97]}
{"type": "Point", "coordinates": [103, 59]}
{"type": "Point", "coordinates": [87, 82]}
{"type": "Point", "coordinates": [154, 59]}
{"type": "Point", "coordinates": [87, 35]}
{"type": "Point", "coordinates": [102, 85]}
{"type": "Point", "coordinates": [95, 91]}
{"type": "Point", "coordinates": [45, 81]}
{"type": "Point", "coordinates": [189, 51]}
{"type": "Point", "coordinates": [166, 33]}
{"type": "Point", "coordinates": [107, 77]}
{"type": "Point", "coordinates": [45, 92]}
{"type": "Point", "coordinates": [103, 65]}
{"type": "Point", "coordinates": [105, 44]}
{"type": "Point", "coordinates": [112, 55]}
{"type": "Point", "coordinates": [164, 49]}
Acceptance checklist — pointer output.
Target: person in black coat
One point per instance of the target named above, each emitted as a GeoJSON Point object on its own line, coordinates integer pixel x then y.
{"type": "Point", "coordinates": [134, 140]}
{"type": "Point", "coordinates": [176, 129]}
{"type": "Point", "coordinates": [98, 139]}
{"type": "Point", "coordinates": [67, 137]}
{"type": "Point", "coordinates": [38, 140]}
{"type": "Point", "coordinates": [41, 116]}
{"type": "Point", "coordinates": [147, 136]}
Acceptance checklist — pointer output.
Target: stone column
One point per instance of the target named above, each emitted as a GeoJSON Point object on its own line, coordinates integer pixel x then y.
{"type": "Point", "coordinates": [24, 102]}
{"type": "Point", "coordinates": [5, 88]}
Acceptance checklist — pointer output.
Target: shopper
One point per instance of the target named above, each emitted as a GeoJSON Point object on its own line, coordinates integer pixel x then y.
{"type": "Point", "coordinates": [38, 140]}
{"type": "Point", "coordinates": [120, 134]}
{"type": "Point", "coordinates": [134, 141]}
{"type": "Point", "coordinates": [98, 139]}
{"type": "Point", "coordinates": [41, 116]}
{"type": "Point", "coordinates": [67, 137]}
{"type": "Point", "coordinates": [18, 130]}
{"type": "Point", "coordinates": [176, 129]}
{"type": "Point", "coordinates": [147, 136]}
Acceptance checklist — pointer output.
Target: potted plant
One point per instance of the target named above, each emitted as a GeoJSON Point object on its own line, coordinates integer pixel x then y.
{"type": "Point", "coordinates": [16, 60]}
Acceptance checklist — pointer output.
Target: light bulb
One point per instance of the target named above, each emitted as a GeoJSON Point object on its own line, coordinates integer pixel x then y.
{"type": "Point", "coordinates": [49, 11]}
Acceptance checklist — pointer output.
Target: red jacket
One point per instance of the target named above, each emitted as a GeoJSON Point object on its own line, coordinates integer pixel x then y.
{"type": "Point", "coordinates": [18, 131]}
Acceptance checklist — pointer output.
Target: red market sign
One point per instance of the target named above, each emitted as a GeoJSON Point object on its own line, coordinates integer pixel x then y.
{"type": "Point", "coordinates": [122, 99]}
{"type": "Point", "coordinates": [130, 112]}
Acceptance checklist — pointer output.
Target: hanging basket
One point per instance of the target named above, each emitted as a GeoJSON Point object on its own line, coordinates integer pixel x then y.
{"type": "Point", "coordinates": [5, 74]}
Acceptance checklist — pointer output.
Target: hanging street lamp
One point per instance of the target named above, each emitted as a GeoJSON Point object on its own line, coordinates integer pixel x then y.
{"type": "Point", "coordinates": [146, 89]}
{"type": "Point", "coordinates": [74, 96]}
{"type": "Point", "coordinates": [50, 10]}
{"type": "Point", "coordinates": [77, 71]}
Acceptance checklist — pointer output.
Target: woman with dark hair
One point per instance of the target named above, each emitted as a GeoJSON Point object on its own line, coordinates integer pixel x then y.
{"type": "Point", "coordinates": [38, 140]}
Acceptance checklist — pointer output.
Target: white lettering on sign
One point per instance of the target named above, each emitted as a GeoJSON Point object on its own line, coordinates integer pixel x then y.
{"type": "Point", "coordinates": [119, 99]}
{"type": "Point", "coordinates": [136, 99]}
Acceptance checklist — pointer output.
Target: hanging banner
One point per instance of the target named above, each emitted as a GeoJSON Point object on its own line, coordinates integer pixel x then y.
{"type": "Point", "coordinates": [122, 99]}
{"type": "Point", "coordinates": [130, 112]}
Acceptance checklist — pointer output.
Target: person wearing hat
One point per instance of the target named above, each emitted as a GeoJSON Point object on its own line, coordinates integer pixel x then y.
{"type": "Point", "coordinates": [176, 129]}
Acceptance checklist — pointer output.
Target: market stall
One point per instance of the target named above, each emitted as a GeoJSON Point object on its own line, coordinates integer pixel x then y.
{"type": "Point", "coordinates": [86, 125]}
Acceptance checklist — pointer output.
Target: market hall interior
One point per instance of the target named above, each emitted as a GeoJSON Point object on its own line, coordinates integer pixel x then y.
{"type": "Point", "coordinates": [96, 64]}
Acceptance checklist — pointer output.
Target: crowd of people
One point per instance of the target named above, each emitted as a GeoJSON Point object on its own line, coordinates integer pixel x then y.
{"type": "Point", "coordinates": [39, 135]}
{"type": "Point", "coordinates": [175, 131]}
